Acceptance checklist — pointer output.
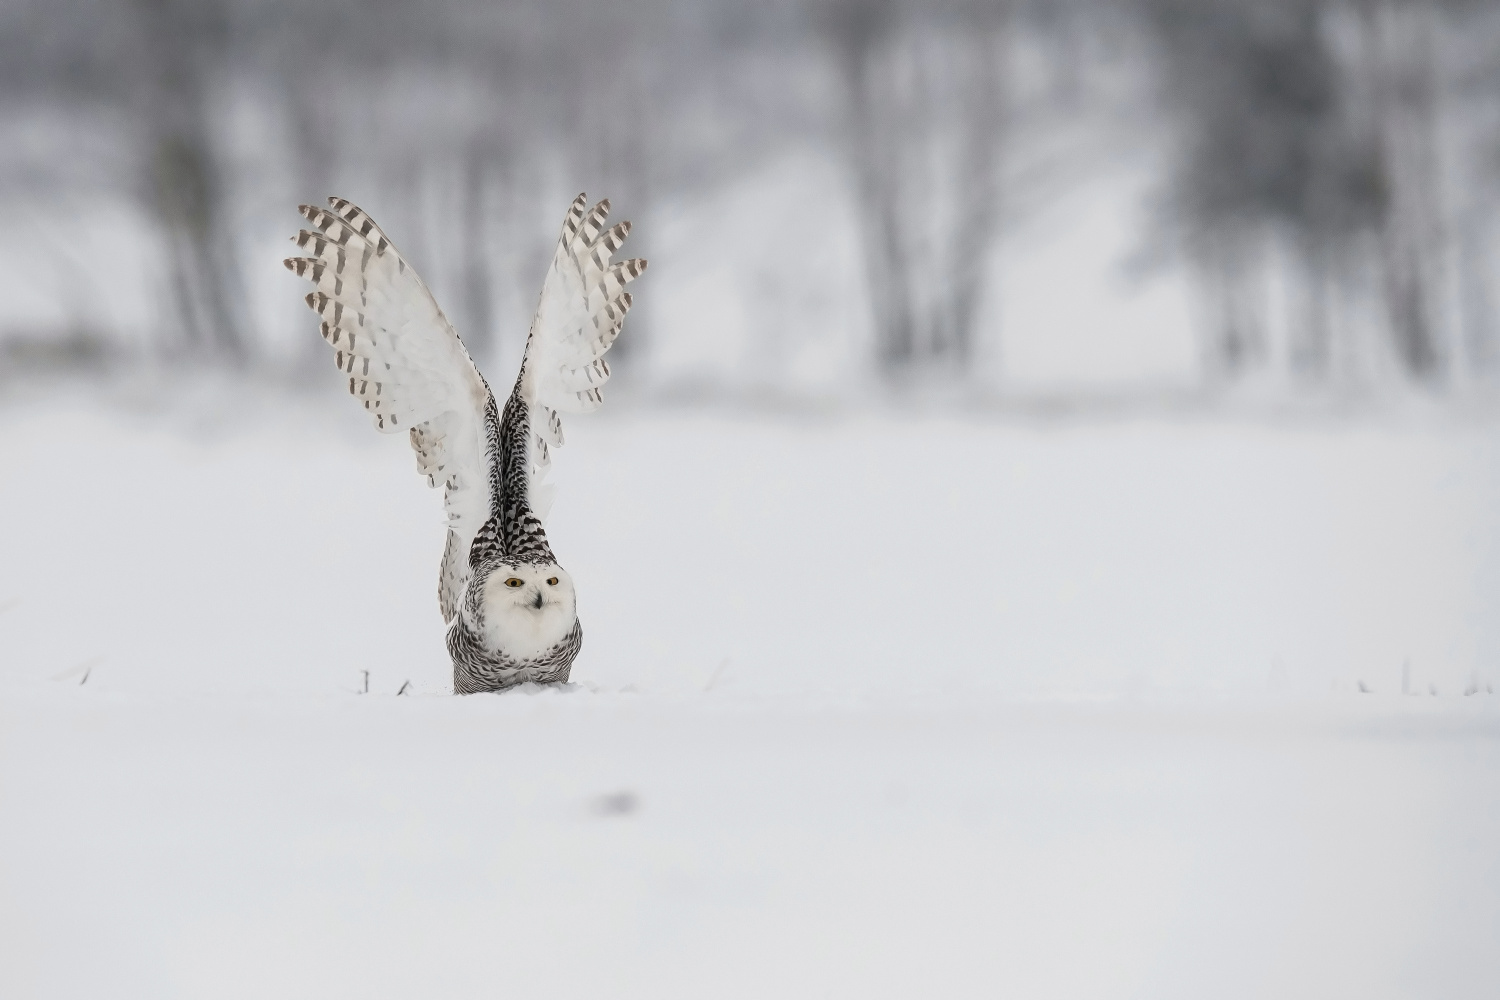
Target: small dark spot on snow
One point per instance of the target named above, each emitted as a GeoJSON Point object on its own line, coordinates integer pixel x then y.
{"type": "Point", "coordinates": [615, 804]}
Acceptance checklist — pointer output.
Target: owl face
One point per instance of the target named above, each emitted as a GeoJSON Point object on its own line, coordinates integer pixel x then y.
{"type": "Point", "coordinates": [528, 609]}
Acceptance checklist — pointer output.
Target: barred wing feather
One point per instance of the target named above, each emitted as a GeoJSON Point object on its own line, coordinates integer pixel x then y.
{"type": "Point", "coordinates": [405, 364]}
{"type": "Point", "coordinates": [582, 309]}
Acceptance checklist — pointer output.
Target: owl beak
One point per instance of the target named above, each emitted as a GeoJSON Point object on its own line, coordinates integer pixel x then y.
{"type": "Point", "coordinates": [537, 602]}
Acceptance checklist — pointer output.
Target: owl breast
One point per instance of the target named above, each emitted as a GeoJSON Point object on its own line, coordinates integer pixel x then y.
{"type": "Point", "coordinates": [526, 632]}
{"type": "Point", "coordinates": [476, 668]}
{"type": "Point", "coordinates": [518, 623]}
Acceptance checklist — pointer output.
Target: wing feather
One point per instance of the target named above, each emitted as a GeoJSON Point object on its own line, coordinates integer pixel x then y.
{"type": "Point", "coordinates": [581, 311]}
{"type": "Point", "coordinates": [405, 364]}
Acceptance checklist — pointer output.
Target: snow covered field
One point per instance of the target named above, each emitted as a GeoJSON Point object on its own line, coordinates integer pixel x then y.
{"type": "Point", "coordinates": [867, 707]}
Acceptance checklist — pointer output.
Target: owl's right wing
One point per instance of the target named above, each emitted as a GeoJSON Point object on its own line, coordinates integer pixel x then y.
{"type": "Point", "coordinates": [405, 363]}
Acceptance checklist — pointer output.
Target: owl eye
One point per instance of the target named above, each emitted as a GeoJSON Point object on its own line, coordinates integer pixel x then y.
{"type": "Point", "coordinates": [551, 581]}
{"type": "Point", "coordinates": [513, 582]}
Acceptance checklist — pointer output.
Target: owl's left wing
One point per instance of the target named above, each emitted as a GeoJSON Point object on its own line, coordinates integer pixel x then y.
{"type": "Point", "coordinates": [405, 363]}
{"type": "Point", "coordinates": [582, 309]}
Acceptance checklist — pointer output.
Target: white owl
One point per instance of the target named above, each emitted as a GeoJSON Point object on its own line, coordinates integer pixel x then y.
{"type": "Point", "coordinates": [510, 608]}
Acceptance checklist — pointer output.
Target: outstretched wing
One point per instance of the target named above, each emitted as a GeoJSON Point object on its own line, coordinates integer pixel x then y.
{"type": "Point", "coordinates": [405, 363]}
{"type": "Point", "coordinates": [582, 308]}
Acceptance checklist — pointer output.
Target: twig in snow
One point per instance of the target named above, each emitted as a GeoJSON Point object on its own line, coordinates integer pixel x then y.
{"type": "Point", "coordinates": [404, 686]}
{"type": "Point", "coordinates": [713, 678]}
{"type": "Point", "coordinates": [367, 682]}
{"type": "Point", "coordinates": [87, 666]}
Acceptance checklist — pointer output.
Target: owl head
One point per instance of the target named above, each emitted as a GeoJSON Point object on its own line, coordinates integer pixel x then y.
{"type": "Point", "coordinates": [526, 608]}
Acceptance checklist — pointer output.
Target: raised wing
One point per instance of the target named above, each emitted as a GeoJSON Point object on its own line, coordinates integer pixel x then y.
{"type": "Point", "coordinates": [405, 363]}
{"type": "Point", "coordinates": [582, 308]}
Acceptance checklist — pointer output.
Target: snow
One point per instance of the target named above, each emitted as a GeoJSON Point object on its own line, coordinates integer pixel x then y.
{"type": "Point", "coordinates": [869, 705]}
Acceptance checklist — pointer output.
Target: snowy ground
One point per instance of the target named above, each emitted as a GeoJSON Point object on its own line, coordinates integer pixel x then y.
{"type": "Point", "coordinates": [867, 707]}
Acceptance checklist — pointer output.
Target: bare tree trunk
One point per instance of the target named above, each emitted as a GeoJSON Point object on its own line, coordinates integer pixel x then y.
{"type": "Point", "coordinates": [973, 234]}
{"type": "Point", "coordinates": [180, 40]}
{"type": "Point", "coordinates": [1399, 47]}
{"type": "Point", "coordinates": [925, 123]}
{"type": "Point", "coordinates": [1311, 353]}
{"type": "Point", "coordinates": [858, 29]}
{"type": "Point", "coordinates": [888, 270]}
{"type": "Point", "coordinates": [1481, 338]}
{"type": "Point", "coordinates": [1236, 339]}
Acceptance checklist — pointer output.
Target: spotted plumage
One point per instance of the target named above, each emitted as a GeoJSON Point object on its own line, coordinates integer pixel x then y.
{"type": "Point", "coordinates": [510, 608]}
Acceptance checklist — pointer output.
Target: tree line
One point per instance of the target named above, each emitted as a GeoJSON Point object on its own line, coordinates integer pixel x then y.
{"type": "Point", "coordinates": [1330, 179]}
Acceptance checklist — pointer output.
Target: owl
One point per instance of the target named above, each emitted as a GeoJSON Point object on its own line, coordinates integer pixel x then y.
{"type": "Point", "coordinates": [511, 609]}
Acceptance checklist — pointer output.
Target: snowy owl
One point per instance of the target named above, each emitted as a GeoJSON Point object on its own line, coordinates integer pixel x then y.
{"type": "Point", "coordinates": [510, 608]}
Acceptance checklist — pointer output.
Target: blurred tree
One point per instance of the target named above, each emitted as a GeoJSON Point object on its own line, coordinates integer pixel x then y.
{"type": "Point", "coordinates": [1313, 125]}
{"type": "Point", "coordinates": [182, 46]}
{"type": "Point", "coordinates": [1395, 78]}
{"type": "Point", "coordinates": [1314, 132]}
{"type": "Point", "coordinates": [1264, 149]}
{"type": "Point", "coordinates": [925, 115]}
{"type": "Point", "coordinates": [1476, 68]}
